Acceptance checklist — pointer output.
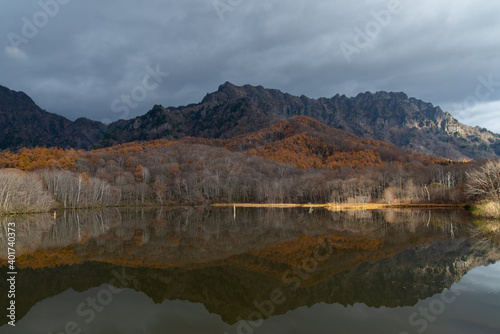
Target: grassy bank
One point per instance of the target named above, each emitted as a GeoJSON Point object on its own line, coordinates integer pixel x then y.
{"type": "Point", "coordinates": [344, 206]}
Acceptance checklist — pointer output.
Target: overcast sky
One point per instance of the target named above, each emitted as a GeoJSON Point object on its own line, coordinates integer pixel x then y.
{"type": "Point", "coordinates": [95, 58]}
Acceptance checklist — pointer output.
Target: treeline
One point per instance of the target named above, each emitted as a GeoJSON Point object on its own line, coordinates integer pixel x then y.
{"type": "Point", "coordinates": [166, 172]}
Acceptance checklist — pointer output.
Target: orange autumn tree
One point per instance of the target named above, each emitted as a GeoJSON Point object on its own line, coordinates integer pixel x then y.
{"type": "Point", "coordinates": [139, 177]}
{"type": "Point", "coordinates": [39, 158]}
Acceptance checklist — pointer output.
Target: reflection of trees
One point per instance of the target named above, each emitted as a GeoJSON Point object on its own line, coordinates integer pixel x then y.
{"type": "Point", "coordinates": [380, 258]}
{"type": "Point", "coordinates": [196, 236]}
{"type": "Point", "coordinates": [69, 228]}
{"type": "Point", "coordinates": [29, 232]}
{"type": "Point", "coordinates": [487, 229]}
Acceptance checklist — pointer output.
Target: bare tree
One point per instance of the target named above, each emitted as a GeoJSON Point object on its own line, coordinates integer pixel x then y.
{"type": "Point", "coordinates": [389, 195]}
{"type": "Point", "coordinates": [484, 182]}
{"type": "Point", "coordinates": [159, 188]}
{"type": "Point", "coordinates": [20, 191]}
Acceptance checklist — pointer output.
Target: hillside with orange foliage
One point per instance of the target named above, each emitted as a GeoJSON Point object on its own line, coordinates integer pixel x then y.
{"type": "Point", "coordinates": [307, 143]}
{"type": "Point", "coordinates": [298, 160]}
{"type": "Point", "coordinates": [39, 158]}
{"type": "Point", "coordinates": [299, 141]}
{"type": "Point", "coordinates": [30, 159]}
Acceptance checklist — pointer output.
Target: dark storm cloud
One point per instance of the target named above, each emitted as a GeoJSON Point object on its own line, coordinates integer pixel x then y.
{"type": "Point", "coordinates": [86, 57]}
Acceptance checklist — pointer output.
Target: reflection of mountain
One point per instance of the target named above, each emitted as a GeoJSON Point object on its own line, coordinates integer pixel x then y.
{"type": "Point", "coordinates": [197, 257]}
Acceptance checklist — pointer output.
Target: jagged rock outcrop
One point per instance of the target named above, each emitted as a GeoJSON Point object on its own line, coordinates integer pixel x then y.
{"type": "Point", "coordinates": [232, 110]}
{"type": "Point", "coordinates": [391, 117]}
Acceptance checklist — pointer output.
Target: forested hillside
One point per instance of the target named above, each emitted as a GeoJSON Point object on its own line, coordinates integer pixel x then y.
{"type": "Point", "coordinates": [307, 143]}
{"type": "Point", "coordinates": [175, 172]}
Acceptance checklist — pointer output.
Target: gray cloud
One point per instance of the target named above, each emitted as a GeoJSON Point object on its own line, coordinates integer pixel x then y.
{"type": "Point", "coordinates": [91, 53]}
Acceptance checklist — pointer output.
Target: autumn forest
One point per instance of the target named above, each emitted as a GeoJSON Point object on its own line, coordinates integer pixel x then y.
{"type": "Point", "coordinates": [298, 160]}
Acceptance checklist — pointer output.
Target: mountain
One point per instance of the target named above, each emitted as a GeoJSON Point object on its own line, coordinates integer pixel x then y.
{"type": "Point", "coordinates": [24, 124]}
{"type": "Point", "coordinates": [233, 111]}
{"type": "Point", "coordinates": [391, 117]}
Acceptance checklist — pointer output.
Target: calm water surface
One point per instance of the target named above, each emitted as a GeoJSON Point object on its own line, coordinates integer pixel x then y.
{"type": "Point", "coordinates": [254, 271]}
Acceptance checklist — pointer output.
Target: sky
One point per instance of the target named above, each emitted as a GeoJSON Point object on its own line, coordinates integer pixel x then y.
{"type": "Point", "coordinates": [110, 59]}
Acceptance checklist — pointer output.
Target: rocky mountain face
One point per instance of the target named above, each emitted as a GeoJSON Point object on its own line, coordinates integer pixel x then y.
{"type": "Point", "coordinates": [391, 117]}
{"type": "Point", "coordinates": [24, 124]}
{"type": "Point", "coordinates": [233, 110]}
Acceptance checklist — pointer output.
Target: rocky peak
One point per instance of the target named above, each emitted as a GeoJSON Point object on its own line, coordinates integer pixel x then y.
{"type": "Point", "coordinates": [226, 92]}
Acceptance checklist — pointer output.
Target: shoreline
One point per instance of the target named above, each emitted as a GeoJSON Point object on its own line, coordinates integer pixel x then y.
{"type": "Point", "coordinates": [327, 206]}
{"type": "Point", "coordinates": [344, 206]}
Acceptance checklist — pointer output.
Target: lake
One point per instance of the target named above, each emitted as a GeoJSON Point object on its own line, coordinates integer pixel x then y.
{"type": "Point", "coordinates": [253, 270]}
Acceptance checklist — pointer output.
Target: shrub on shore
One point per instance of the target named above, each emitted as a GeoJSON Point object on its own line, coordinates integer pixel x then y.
{"type": "Point", "coordinates": [488, 209]}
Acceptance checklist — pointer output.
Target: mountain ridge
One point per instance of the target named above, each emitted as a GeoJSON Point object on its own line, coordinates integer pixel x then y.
{"type": "Point", "coordinates": [28, 125]}
{"type": "Point", "coordinates": [391, 117]}
{"type": "Point", "coordinates": [233, 110]}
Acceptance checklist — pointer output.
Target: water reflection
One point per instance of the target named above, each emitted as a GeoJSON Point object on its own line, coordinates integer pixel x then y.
{"type": "Point", "coordinates": [271, 261]}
